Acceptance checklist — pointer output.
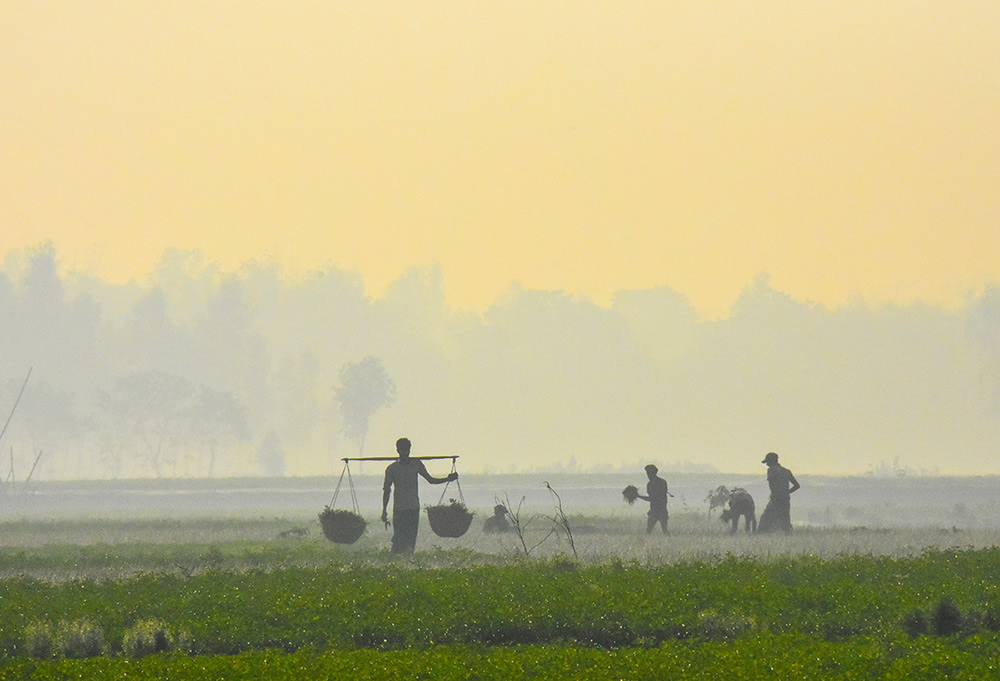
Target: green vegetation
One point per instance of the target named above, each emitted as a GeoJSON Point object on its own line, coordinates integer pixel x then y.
{"type": "Point", "coordinates": [557, 602]}
{"type": "Point", "coordinates": [293, 606]}
{"type": "Point", "coordinates": [790, 657]}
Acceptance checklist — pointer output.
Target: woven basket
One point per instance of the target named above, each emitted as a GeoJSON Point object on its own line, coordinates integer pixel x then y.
{"type": "Point", "coordinates": [449, 520]}
{"type": "Point", "coordinates": [341, 527]}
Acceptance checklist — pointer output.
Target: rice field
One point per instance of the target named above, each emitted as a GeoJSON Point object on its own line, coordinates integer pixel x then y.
{"type": "Point", "coordinates": [879, 579]}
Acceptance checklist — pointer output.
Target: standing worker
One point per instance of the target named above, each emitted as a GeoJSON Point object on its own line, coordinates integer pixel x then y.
{"type": "Point", "coordinates": [777, 514]}
{"type": "Point", "coordinates": [656, 495]}
{"type": "Point", "coordinates": [402, 473]}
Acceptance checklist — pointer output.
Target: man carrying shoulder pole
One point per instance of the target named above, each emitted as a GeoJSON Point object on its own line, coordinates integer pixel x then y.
{"type": "Point", "coordinates": [401, 474]}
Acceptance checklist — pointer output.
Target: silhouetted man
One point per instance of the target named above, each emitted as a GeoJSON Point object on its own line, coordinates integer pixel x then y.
{"type": "Point", "coordinates": [402, 474]}
{"type": "Point", "coordinates": [777, 514]}
{"type": "Point", "coordinates": [656, 495]}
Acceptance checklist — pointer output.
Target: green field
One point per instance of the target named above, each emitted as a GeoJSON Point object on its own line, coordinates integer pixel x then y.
{"type": "Point", "coordinates": [244, 599]}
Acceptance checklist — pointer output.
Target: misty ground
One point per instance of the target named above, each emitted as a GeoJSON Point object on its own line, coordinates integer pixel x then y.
{"type": "Point", "coordinates": [901, 502]}
{"type": "Point", "coordinates": [963, 502]}
{"type": "Point", "coordinates": [593, 500]}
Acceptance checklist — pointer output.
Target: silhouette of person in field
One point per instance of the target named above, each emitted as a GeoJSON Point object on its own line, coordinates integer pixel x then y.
{"type": "Point", "coordinates": [656, 495]}
{"type": "Point", "coordinates": [497, 523]}
{"type": "Point", "coordinates": [401, 483]}
{"type": "Point", "coordinates": [777, 514]}
{"type": "Point", "coordinates": [740, 505]}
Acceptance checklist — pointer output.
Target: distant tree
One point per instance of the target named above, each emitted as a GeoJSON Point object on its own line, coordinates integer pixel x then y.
{"type": "Point", "coordinates": [271, 456]}
{"type": "Point", "coordinates": [147, 410]}
{"type": "Point", "coordinates": [214, 418]}
{"type": "Point", "coordinates": [47, 419]}
{"type": "Point", "coordinates": [364, 388]}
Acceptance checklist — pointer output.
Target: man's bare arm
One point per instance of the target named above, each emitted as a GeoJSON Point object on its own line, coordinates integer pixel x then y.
{"type": "Point", "coordinates": [437, 481]}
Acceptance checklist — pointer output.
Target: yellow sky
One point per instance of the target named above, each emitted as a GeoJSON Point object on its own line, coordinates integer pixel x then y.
{"type": "Point", "coordinates": [845, 148]}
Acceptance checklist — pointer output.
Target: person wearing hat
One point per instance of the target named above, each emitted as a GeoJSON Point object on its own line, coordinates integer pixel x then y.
{"type": "Point", "coordinates": [656, 495]}
{"type": "Point", "coordinates": [777, 514]}
{"type": "Point", "coordinates": [498, 521]}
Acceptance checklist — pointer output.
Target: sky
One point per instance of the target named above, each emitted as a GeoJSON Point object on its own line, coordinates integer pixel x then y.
{"type": "Point", "coordinates": [848, 150]}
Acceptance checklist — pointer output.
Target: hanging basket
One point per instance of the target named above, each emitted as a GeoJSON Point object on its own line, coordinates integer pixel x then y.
{"type": "Point", "coordinates": [449, 520]}
{"type": "Point", "coordinates": [340, 526]}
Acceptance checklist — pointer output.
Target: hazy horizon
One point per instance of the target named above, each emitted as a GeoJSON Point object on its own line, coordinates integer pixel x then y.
{"type": "Point", "coordinates": [197, 372]}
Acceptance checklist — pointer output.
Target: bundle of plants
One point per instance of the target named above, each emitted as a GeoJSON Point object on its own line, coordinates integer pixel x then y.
{"type": "Point", "coordinates": [341, 526]}
{"type": "Point", "coordinates": [449, 520]}
{"type": "Point", "coordinates": [631, 493]}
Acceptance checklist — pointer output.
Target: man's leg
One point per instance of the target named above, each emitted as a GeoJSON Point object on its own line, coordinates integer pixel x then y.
{"type": "Point", "coordinates": [404, 530]}
{"type": "Point", "coordinates": [784, 507]}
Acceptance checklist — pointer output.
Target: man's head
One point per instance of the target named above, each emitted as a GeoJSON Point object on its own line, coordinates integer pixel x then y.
{"type": "Point", "coordinates": [499, 510]}
{"type": "Point", "coordinates": [770, 458]}
{"type": "Point", "coordinates": [403, 448]}
{"type": "Point", "coordinates": [651, 471]}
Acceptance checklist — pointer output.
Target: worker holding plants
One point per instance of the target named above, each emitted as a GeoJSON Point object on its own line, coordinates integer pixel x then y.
{"type": "Point", "coordinates": [777, 514]}
{"type": "Point", "coordinates": [401, 483]}
{"type": "Point", "coordinates": [656, 495]}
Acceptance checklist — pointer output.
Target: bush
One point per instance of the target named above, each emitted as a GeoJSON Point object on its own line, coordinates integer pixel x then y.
{"type": "Point", "coordinates": [991, 619]}
{"type": "Point", "coordinates": [80, 638]}
{"type": "Point", "coordinates": [947, 618]}
{"type": "Point", "coordinates": [915, 624]}
{"type": "Point", "coordinates": [145, 638]}
{"type": "Point", "coordinates": [718, 626]}
{"type": "Point", "coordinates": [38, 639]}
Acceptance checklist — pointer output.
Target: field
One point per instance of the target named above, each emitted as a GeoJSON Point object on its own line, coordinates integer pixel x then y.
{"type": "Point", "coordinates": [226, 589]}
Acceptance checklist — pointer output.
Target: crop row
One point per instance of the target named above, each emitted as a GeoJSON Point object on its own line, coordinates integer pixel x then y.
{"type": "Point", "coordinates": [615, 604]}
{"type": "Point", "coordinates": [788, 656]}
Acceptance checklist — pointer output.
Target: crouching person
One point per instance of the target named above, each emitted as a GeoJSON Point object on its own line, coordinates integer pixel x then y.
{"type": "Point", "coordinates": [740, 504]}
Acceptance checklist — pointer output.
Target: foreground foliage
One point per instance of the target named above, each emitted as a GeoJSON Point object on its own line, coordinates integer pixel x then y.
{"type": "Point", "coordinates": [611, 605]}
{"type": "Point", "coordinates": [788, 656]}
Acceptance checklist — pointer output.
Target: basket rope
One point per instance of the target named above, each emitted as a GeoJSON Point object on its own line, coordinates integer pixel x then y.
{"type": "Point", "coordinates": [457, 484]}
{"type": "Point", "coordinates": [350, 484]}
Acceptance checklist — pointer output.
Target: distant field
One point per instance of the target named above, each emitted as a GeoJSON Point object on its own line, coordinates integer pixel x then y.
{"type": "Point", "coordinates": [946, 502]}
{"type": "Point", "coordinates": [67, 549]}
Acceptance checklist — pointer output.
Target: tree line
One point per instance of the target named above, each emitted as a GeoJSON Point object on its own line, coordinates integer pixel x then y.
{"type": "Point", "coordinates": [196, 372]}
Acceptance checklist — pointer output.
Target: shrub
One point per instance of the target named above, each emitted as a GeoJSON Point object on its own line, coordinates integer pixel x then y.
{"type": "Point", "coordinates": [38, 639]}
{"type": "Point", "coordinates": [991, 619]}
{"type": "Point", "coordinates": [915, 624]}
{"type": "Point", "coordinates": [80, 638]}
{"type": "Point", "coordinates": [723, 626]}
{"type": "Point", "coordinates": [947, 618]}
{"type": "Point", "coordinates": [145, 638]}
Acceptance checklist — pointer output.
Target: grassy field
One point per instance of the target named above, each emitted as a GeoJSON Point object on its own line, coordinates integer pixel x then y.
{"type": "Point", "coordinates": [882, 579]}
{"type": "Point", "coordinates": [270, 598]}
{"type": "Point", "coordinates": [98, 548]}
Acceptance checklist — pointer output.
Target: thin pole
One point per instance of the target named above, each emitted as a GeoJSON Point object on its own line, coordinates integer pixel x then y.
{"type": "Point", "coordinates": [394, 458]}
{"type": "Point", "coordinates": [28, 479]}
{"type": "Point", "coordinates": [11, 415]}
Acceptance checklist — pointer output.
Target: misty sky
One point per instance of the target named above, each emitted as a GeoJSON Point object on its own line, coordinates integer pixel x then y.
{"type": "Point", "coordinates": [845, 149]}
{"type": "Point", "coordinates": [638, 177]}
